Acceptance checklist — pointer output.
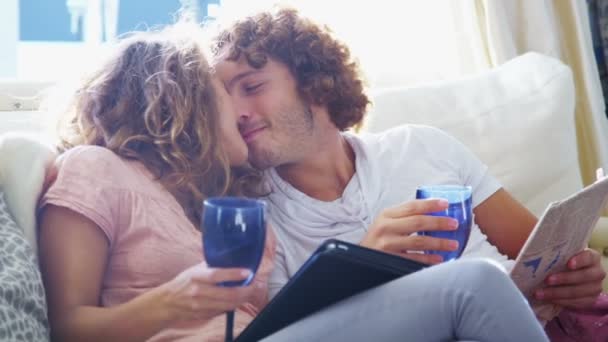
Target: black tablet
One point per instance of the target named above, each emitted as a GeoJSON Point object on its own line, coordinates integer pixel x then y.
{"type": "Point", "coordinates": [335, 271]}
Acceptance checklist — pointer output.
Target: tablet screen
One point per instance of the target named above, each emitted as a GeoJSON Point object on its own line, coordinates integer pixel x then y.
{"type": "Point", "coordinates": [335, 271]}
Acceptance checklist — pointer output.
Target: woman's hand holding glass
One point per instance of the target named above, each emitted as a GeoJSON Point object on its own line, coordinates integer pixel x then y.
{"type": "Point", "coordinates": [234, 233]}
{"type": "Point", "coordinates": [195, 294]}
{"type": "Point", "coordinates": [233, 242]}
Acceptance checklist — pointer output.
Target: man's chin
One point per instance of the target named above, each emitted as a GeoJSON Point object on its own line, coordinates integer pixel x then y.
{"type": "Point", "coordinates": [259, 162]}
{"type": "Point", "coordinates": [259, 165]}
{"type": "Point", "coordinates": [262, 158]}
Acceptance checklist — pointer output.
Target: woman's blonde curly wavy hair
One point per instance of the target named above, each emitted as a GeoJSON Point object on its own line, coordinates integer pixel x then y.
{"type": "Point", "coordinates": [154, 102]}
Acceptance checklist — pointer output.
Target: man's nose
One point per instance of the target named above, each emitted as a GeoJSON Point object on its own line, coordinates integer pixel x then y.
{"type": "Point", "coordinates": [243, 111]}
{"type": "Point", "coordinates": [243, 116]}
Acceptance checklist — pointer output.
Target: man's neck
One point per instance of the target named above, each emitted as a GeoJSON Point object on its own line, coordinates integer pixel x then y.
{"type": "Point", "coordinates": [325, 173]}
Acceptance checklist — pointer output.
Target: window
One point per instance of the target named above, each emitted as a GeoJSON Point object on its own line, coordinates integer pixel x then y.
{"type": "Point", "coordinates": [53, 36]}
{"type": "Point", "coordinates": [397, 42]}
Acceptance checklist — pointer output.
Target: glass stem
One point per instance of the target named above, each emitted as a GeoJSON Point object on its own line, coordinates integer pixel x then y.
{"type": "Point", "coordinates": [229, 326]}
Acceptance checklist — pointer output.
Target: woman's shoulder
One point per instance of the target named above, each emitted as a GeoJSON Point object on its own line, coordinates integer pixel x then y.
{"type": "Point", "coordinates": [89, 155]}
{"type": "Point", "coordinates": [99, 164]}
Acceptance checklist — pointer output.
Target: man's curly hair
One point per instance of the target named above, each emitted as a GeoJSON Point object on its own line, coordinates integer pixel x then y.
{"type": "Point", "coordinates": [322, 66]}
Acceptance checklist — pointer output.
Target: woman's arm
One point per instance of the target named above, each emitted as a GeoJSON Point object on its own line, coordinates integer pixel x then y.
{"type": "Point", "coordinates": [74, 253]}
{"type": "Point", "coordinates": [73, 258]}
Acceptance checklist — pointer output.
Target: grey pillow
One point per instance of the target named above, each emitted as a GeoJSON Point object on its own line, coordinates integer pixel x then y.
{"type": "Point", "coordinates": [23, 313]}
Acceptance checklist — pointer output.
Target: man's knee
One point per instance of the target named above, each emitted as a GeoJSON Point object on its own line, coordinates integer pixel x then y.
{"type": "Point", "coordinates": [481, 272]}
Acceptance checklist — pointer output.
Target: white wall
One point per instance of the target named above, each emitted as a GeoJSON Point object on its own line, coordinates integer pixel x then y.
{"type": "Point", "coordinates": [9, 37]}
{"type": "Point", "coordinates": [23, 121]}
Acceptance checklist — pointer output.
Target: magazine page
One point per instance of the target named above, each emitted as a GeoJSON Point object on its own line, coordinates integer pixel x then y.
{"type": "Point", "coordinates": [562, 231]}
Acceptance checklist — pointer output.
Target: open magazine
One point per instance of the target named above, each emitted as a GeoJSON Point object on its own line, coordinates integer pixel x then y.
{"type": "Point", "coordinates": [562, 231]}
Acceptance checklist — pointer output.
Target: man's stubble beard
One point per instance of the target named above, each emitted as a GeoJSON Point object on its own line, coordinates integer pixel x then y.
{"type": "Point", "coordinates": [295, 134]}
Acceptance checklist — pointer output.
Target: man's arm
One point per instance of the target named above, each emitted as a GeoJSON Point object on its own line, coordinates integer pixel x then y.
{"type": "Point", "coordinates": [505, 222]}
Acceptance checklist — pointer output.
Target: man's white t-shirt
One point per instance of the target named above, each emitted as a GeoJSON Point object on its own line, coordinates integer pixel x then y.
{"type": "Point", "coordinates": [389, 166]}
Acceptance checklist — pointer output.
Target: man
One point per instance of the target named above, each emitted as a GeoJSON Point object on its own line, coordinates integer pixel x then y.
{"type": "Point", "coordinates": [297, 91]}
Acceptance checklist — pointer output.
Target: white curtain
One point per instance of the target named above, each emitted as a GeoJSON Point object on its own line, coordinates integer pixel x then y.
{"type": "Point", "coordinates": [501, 30]}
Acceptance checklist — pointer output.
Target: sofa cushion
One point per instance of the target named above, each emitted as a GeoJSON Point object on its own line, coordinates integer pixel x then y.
{"type": "Point", "coordinates": [517, 118]}
{"type": "Point", "coordinates": [24, 160]}
{"type": "Point", "coordinates": [23, 314]}
{"type": "Point", "coordinates": [22, 95]}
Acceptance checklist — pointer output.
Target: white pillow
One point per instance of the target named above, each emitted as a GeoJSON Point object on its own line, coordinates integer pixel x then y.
{"type": "Point", "coordinates": [24, 160]}
{"type": "Point", "coordinates": [517, 118]}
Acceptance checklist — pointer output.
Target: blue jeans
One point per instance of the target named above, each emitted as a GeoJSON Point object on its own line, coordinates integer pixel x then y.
{"type": "Point", "coordinates": [465, 300]}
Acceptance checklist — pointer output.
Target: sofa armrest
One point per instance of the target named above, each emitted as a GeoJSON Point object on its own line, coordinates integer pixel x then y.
{"type": "Point", "coordinates": [24, 159]}
{"type": "Point", "coordinates": [599, 237]}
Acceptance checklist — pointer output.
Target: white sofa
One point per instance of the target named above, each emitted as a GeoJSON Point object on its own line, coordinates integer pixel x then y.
{"type": "Point", "coordinates": [517, 118]}
{"type": "Point", "coordinates": [19, 102]}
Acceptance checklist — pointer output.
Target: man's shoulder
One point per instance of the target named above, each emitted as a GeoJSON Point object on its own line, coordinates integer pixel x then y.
{"type": "Point", "coordinates": [400, 137]}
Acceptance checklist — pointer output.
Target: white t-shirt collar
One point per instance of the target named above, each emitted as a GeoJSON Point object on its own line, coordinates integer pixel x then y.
{"type": "Point", "coordinates": [320, 218]}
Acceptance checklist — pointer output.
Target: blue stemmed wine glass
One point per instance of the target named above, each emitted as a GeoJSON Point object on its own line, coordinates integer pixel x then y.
{"type": "Point", "coordinates": [459, 198]}
{"type": "Point", "coordinates": [234, 233]}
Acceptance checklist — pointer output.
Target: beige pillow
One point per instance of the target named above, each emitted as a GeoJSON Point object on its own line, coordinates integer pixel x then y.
{"type": "Point", "coordinates": [517, 118]}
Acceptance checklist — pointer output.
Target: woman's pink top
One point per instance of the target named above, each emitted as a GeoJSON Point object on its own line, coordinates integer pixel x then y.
{"type": "Point", "coordinates": [150, 238]}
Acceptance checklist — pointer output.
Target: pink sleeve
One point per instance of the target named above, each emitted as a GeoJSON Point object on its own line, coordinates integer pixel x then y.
{"type": "Point", "coordinates": [84, 184]}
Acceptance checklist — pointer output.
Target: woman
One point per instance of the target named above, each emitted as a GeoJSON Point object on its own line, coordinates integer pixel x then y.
{"type": "Point", "coordinates": [150, 135]}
